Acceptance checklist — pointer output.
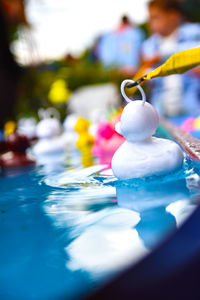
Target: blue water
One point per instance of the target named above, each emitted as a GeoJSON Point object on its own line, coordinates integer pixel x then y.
{"type": "Point", "coordinates": [64, 229]}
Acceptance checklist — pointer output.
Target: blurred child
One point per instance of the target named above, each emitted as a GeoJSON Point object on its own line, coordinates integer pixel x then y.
{"type": "Point", "coordinates": [121, 48]}
{"type": "Point", "coordinates": [175, 94]}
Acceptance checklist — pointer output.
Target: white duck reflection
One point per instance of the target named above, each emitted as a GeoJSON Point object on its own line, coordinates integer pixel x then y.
{"type": "Point", "coordinates": [108, 244]}
{"type": "Point", "coordinates": [162, 207]}
{"type": "Point", "coordinates": [103, 237]}
{"type": "Point", "coordinates": [107, 234]}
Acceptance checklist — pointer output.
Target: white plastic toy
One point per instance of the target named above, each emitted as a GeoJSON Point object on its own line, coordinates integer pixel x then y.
{"type": "Point", "coordinates": [48, 131]}
{"type": "Point", "coordinates": [70, 136]}
{"type": "Point", "coordinates": [142, 155]}
{"type": "Point", "coordinates": [27, 126]}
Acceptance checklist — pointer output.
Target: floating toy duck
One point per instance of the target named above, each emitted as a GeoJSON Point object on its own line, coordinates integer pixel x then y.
{"type": "Point", "coordinates": [48, 131]}
{"type": "Point", "coordinates": [142, 155]}
{"type": "Point", "coordinates": [107, 141]}
{"type": "Point", "coordinates": [188, 124]}
{"type": "Point", "coordinates": [59, 92]}
{"type": "Point", "coordinates": [9, 128]}
{"type": "Point", "coordinates": [27, 127]}
{"type": "Point", "coordinates": [84, 142]}
{"type": "Point", "coordinates": [16, 156]}
{"type": "Point", "coordinates": [69, 135]}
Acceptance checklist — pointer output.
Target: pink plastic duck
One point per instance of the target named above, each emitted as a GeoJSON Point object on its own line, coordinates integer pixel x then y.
{"type": "Point", "coordinates": [107, 141]}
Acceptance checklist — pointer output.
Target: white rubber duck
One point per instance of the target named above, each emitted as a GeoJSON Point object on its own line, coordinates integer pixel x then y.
{"type": "Point", "coordinates": [69, 135]}
{"type": "Point", "coordinates": [48, 131]}
{"type": "Point", "coordinates": [142, 155]}
{"type": "Point", "coordinates": [27, 126]}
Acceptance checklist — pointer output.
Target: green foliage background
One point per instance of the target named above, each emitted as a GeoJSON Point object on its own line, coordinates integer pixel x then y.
{"type": "Point", "coordinates": [36, 81]}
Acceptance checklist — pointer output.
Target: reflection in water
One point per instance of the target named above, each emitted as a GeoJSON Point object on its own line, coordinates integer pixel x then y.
{"type": "Point", "coordinates": [32, 256]}
{"type": "Point", "coordinates": [157, 207]}
{"type": "Point", "coordinates": [86, 157]}
{"type": "Point", "coordinates": [107, 233]}
{"type": "Point", "coordinates": [63, 233]}
{"type": "Point", "coordinates": [101, 233]}
{"type": "Point", "coordinates": [105, 246]}
{"type": "Point", "coordinates": [85, 141]}
{"type": "Point", "coordinates": [154, 225]}
{"type": "Point", "coordinates": [183, 208]}
{"type": "Point", "coordinates": [51, 164]}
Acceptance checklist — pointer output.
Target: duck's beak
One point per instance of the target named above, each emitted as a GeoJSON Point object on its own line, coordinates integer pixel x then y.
{"type": "Point", "coordinates": [118, 128]}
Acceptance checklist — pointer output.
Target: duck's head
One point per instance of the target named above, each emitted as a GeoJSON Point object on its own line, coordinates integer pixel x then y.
{"type": "Point", "coordinates": [139, 121]}
{"type": "Point", "coordinates": [81, 125]}
{"type": "Point", "coordinates": [47, 128]}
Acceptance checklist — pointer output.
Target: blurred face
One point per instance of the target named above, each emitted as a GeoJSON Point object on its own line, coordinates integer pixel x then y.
{"type": "Point", "coordinates": [163, 22]}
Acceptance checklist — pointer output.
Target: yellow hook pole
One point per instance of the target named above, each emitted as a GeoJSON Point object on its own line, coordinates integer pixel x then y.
{"type": "Point", "coordinates": [178, 63]}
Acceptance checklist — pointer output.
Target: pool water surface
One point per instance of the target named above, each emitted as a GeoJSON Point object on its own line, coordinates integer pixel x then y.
{"type": "Point", "coordinates": [66, 229]}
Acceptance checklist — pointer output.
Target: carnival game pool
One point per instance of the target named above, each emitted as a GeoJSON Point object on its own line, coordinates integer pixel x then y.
{"type": "Point", "coordinates": [65, 229]}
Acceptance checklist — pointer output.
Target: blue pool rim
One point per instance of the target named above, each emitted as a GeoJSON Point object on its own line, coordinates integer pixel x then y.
{"type": "Point", "coordinates": [172, 270]}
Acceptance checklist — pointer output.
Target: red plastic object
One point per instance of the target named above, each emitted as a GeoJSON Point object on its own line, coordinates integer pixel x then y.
{"type": "Point", "coordinates": [16, 155]}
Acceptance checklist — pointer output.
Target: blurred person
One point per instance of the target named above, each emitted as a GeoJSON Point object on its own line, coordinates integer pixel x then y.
{"type": "Point", "coordinates": [11, 15]}
{"type": "Point", "coordinates": [121, 47]}
{"type": "Point", "coordinates": [175, 94]}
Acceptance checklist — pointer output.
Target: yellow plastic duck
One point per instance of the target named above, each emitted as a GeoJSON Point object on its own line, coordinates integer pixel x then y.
{"type": "Point", "coordinates": [9, 127]}
{"type": "Point", "coordinates": [85, 141]}
{"type": "Point", "coordinates": [59, 92]}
